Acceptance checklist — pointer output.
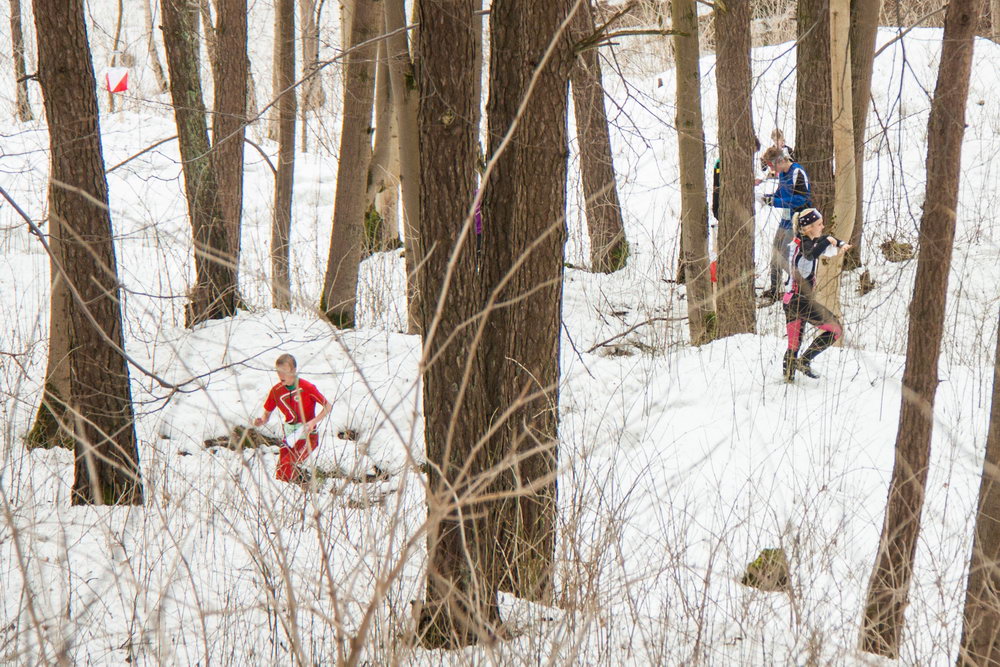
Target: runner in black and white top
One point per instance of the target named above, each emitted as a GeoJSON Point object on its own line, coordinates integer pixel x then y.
{"type": "Point", "coordinates": [809, 244]}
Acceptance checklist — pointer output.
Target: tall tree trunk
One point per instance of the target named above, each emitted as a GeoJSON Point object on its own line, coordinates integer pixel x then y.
{"type": "Point", "coordinates": [691, 158]}
{"type": "Point", "coordinates": [231, 80]}
{"type": "Point", "coordinates": [995, 17]}
{"type": "Point", "coordinates": [51, 428]}
{"type": "Point", "coordinates": [980, 643]}
{"type": "Point", "coordinates": [864, 29]}
{"type": "Point", "coordinates": [214, 294]}
{"type": "Point", "coordinates": [735, 303]}
{"type": "Point", "coordinates": [406, 100]}
{"type": "Point", "coordinates": [23, 105]}
{"type": "Point", "coordinates": [313, 95]}
{"type": "Point", "coordinates": [813, 102]}
{"type": "Point", "coordinates": [888, 588]}
{"type": "Point", "coordinates": [460, 607]}
{"type": "Point", "coordinates": [281, 225]}
{"type": "Point", "coordinates": [341, 281]}
{"type": "Point", "coordinates": [845, 199]}
{"type": "Point", "coordinates": [525, 197]}
{"type": "Point", "coordinates": [211, 39]}
{"type": "Point", "coordinates": [381, 177]}
{"type": "Point", "coordinates": [608, 245]}
{"type": "Point", "coordinates": [154, 57]}
{"type": "Point", "coordinates": [106, 469]}
{"type": "Point", "coordinates": [477, 77]}
{"type": "Point", "coordinates": [115, 44]}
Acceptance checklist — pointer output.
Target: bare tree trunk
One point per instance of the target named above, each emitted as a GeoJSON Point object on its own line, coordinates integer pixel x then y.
{"type": "Point", "coordinates": [691, 158]}
{"type": "Point", "coordinates": [889, 586]}
{"type": "Point", "coordinates": [525, 197]}
{"type": "Point", "coordinates": [845, 197]}
{"type": "Point", "coordinates": [106, 469]}
{"type": "Point", "coordinates": [460, 606]}
{"type": "Point", "coordinates": [980, 643]}
{"type": "Point", "coordinates": [380, 175]}
{"type": "Point", "coordinates": [337, 302]}
{"type": "Point", "coordinates": [995, 17]}
{"type": "Point", "coordinates": [232, 74]}
{"type": "Point", "coordinates": [116, 43]}
{"type": "Point", "coordinates": [313, 95]}
{"type": "Point", "coordinates": [281, 225]}
{"type": "Point", "coordinates": [813, 119]}
{"type": "Point", "coordinates": [208, 27]}
{"type": "Point", "coordinates": [864, 29]}
{"type": "Point", "coordinates": [51, 428]}
{"type": "Point", "coordinates": [406, 101]}
{"type": "Point", "coordinates": [154, 57]}
{"type": "Point", "coordinates": [608, 245]}
{"type": "Point", "coordinates": [214, 295]}
{"type": "Point", "coordinates": [736, 301]}
{"type": "Point", "coordinates": [23, 105]}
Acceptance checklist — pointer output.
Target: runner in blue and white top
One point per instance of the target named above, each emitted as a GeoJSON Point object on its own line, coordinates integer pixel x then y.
{"type": "Point", "coordinates": [793, 195]}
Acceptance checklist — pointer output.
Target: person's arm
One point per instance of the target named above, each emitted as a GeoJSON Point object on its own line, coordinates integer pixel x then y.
{"type": "Point", "coordinates": [311, 424]}
{"type": "Point", "coordinates": [799, 196]}
{"type": "Point", "coordinates": [260, 421]}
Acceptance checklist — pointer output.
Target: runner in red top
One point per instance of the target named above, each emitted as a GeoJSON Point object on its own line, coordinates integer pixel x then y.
{"type": "Point", "coordinates": [296, 399]}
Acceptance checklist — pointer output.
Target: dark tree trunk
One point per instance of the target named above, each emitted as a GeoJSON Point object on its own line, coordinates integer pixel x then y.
{"type": "Point", "coordinates": [340, 284]}
{"type": "Point", "coordinates": [608, 245]}
{"type": "Point", "coordinates": [864, 27]}
{"type": "Point", "coordinates": [981, 621]}
{"type": "Point", "coordinates": [813, 101]}
{"type": "Point", "coordinates": [888, 588]}
{"type": "Point", "coordinates": [526, 197]}
{"type": "Point", "coordinates": [106, 469]}
{"type": "Point", "coordinates": [281, 225]}
{"type": "Point", "coordinates": [735, 303]}
{"type": "Point", "coordinates": [214, 293]}
{"type": "Point", "coordinates": [691, 153]}
{"type": "Point", "coordinates": [231, 81]}
{"type": "Point", "coordinates": [461, 593]}
{"type": "Point", "coordinates": [23, 105]}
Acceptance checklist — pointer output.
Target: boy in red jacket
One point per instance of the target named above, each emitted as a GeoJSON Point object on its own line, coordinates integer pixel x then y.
{"type": "Point", "coordinates": [296, 399]}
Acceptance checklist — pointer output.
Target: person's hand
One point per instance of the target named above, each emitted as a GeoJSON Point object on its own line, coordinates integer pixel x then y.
{"type": "Point", "coordinates": [757, 181]}
{"type": "Point", "coordinates": [309, 426]}
{"type": "Point", "coordinates": [259, 421]}
{"type": "Point", "coordinates": [844, 248]}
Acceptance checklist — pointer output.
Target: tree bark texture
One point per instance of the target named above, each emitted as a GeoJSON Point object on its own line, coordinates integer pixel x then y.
{"type": "Point", "coordinates": [523, 241]}
{"type": "Point", "coordinates": [106, 467]}
{"type": "Point", "coordinates": [691, 159]}
{"type": "Point", "coordinates": [841, 223]}
{"type": "Point", "coordinates": [214, 293]}
{"type": "Point", "coordinates": [231, 81]}
{"type": "Point", "coordinates": [208, 27]}
{"type": "Point", "coordinates": [864, 29]}
{"type": "Point", "coordinates": [888, 588]}
{"type": "Point", "coordinates": [460, 607]}
{"type": "Point", "coordinates": [22, 104]}
{"type": "Point", "coordinates": [406, 100]}
{"type": "Point", "coordinates": [980, 643]}
{"type": "Point", "coordinates": [813, 102]}
{"type": "Point", "coordinates": [608, 245]}
{"type": "Point", "coordinates": [281, 223]}
{"type": "Point", "coordinates": [735, 302]}
{"type": "Point", "coordinates": [341, 281]}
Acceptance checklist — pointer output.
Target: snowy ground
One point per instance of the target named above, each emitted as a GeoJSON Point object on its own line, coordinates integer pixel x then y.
{"type": "Point", "coordinates": [678, 464]}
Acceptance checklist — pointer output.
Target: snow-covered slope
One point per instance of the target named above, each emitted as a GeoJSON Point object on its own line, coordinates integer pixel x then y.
{"type": "Point", "coordinates": [677, 464]}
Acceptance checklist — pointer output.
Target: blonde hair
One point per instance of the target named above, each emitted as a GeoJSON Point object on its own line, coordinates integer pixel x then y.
{"type": "Point", "coordinates": [777, 135]}
{"type": "Point", "coordinates": [286, 360]}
